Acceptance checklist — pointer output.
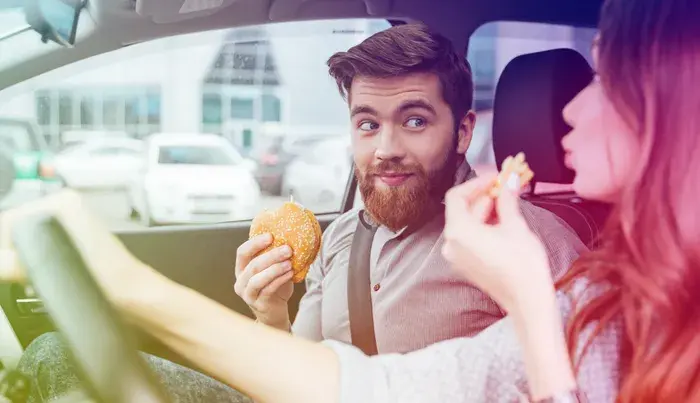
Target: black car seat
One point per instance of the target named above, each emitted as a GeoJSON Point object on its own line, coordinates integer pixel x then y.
{"type": "Point", "coordinates": [527, 116]}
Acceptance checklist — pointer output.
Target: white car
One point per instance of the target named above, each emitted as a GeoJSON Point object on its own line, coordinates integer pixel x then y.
{"type": "Point", "coordinates": [107, 163]}
{"type": "Point", "coordinates": [318, 176]}
{"type": "Point", "coordinates": [193, 178]}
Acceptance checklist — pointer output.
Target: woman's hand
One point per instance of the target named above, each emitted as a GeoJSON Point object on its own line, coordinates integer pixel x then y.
{"type": "Point", "coordinates": [490, 243]}
{"type": "Point", "coordinates": [111, 264]}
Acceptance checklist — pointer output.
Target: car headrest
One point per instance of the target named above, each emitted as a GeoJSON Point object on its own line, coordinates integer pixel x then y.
{"type": "Point", "coordinates": [527, 112]}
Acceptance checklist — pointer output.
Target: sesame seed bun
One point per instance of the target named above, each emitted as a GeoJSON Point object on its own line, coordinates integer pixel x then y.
{"type": "Point", "coordinates": [293, 225]}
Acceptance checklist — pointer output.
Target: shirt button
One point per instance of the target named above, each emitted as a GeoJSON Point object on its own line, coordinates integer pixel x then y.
{"type": "Point", "coordinates": [377, 287]}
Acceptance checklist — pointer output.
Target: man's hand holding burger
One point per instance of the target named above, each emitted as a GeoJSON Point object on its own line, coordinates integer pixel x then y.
{"type": "Point", "coordinates": [264, 280]}
{"type": "Point", "coordinates": [282, 246]}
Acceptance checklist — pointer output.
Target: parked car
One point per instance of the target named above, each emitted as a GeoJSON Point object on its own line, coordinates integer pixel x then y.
{"type": "Point", "coordinates": [274, 158]}
{"type": "Point", "coordinates": [71, 138]}
{"type": "Point", "coordinates": [28, 172]}
{"type": "Point", "coordinates": [318, 177]}
{"type": "Point", "coordinates": [104, 163]}
{"type": "Point", "coordinates": [192, 178]}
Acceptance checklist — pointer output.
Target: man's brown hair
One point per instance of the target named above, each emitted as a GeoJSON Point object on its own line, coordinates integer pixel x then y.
{"type": "Point", "coordinates": [408, 49]}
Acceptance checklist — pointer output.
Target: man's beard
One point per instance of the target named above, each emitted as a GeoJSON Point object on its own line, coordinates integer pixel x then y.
{"type": "Point", "coordinates": [407, 204]}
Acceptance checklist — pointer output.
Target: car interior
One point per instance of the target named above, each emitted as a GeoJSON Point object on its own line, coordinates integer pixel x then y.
{"type": "Point", "coordinates": [201, 256]}
{"type": "Point", "coordinates": [556, 76]}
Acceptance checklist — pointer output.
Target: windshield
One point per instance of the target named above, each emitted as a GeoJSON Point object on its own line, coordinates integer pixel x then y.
{"type": "Point", "coordinates": [11, 16]}
{"type": "Point", "coordinates": [194, 155]}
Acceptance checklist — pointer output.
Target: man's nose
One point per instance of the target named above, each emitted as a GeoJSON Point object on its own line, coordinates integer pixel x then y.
{"type": "Point", "coordinates": [390, 145]}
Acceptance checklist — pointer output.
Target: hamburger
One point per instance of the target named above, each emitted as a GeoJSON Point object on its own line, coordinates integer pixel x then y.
{"type": "Point", "coordinates": [295, 226]}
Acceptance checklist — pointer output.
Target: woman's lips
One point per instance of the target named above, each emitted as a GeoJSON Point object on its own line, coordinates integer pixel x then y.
{"type": "Point", "coordinates": [568, 161]}
{"type": "Point", "coordinates": [394, 179]}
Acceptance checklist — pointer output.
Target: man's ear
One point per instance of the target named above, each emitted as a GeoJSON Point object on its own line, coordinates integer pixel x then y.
{"type": "Point", "coordinates": [465, 130]}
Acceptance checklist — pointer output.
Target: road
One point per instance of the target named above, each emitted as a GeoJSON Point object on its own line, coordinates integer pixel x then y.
{"type": "Point", "coordinates": [113, 207]}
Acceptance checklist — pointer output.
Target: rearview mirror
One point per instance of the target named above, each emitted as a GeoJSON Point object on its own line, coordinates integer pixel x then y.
{"type": "Point", "coordinates": [54, 20]}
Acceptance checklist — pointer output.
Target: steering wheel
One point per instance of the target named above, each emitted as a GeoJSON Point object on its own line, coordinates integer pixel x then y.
{"type": "Point", "coordinates": [101, 346]}
{"type": "Point", "coordinates": [7, 171]}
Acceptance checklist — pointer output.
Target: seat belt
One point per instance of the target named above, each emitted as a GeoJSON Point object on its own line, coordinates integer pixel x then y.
{"type": "Point", "coordinates": [359, 284]}
{"type": "Point", "coordinates": [359, 288]}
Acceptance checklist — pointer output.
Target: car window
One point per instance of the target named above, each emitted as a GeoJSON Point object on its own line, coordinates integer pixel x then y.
{"type": "Point", "coordinates": [491, 48]}
{"type": "Point", "coordinates": [194, 155]}
{"type": "Point", "coordinates": [247, 85]}
{"type": "Point", "coordinates": [114, 151]}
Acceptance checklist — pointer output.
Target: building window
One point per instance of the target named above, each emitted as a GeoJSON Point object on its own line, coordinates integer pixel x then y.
{"type": "Point", "coordinates": [211, 109]}
{"type": "Point", "coordinates": [43, 107]}
{"type": "Point", "coordinates": [112, 107]}
{"type": "Point", "coordinates": [242, 108]}
{"type": "Point", "coordinates": [244, 59]}
{"type": "Point", "coordinates": [136, 111]}
{"type": "Point", "coordinates": [132, 110]}
{"type": "Point", "coordinates": [65, 110]}
{"type": "Point", "coordinates": [271, 108]}
{"type": "Point", "coordinates": [153, 107]}
{"type": "Point", "coordinates": [87, 111]}
{"type": "Point", "coordinates": [247, 139]}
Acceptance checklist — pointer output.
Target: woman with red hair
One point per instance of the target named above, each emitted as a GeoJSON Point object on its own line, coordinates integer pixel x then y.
{"type": "Point", "coordinates": [635, 143]}
{"type": "Point", "coordinates": [630, 308]}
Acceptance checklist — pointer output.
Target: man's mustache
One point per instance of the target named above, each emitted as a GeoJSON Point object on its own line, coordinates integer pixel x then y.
{"type": "Point", "coordinates": [393, 167]}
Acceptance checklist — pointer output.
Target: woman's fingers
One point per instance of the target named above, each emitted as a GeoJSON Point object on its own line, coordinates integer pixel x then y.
{"type": "Point", "coordinates": [10, 270]}
{"type": "Point", "coordinates": [483, 208]}
{"type": "Point", "coordinates": [10, 265]}
{"type": "Point", "coordinates": [471, 189]}
{"type": "Point", "coordinates": [508, 208]}
{"type": "Point", "coordinates": [467, 207]}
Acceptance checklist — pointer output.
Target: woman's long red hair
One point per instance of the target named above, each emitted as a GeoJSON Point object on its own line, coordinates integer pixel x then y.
{"type": "Point", "coordinates": [649, 259]}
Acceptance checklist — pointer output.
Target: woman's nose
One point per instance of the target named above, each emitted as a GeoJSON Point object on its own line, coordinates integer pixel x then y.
{"type": "Point", "coordinates": [568, 113]}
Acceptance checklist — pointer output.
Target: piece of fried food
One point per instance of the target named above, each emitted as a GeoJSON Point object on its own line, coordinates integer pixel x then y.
{"type": "Point", "coordinates": [293, 225]}
{"type": "Point", "coordinates": [515, 174]}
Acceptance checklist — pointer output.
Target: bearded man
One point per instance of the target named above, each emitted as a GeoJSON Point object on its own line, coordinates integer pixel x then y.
{"type": "Point", "coordinates": [409, 96]}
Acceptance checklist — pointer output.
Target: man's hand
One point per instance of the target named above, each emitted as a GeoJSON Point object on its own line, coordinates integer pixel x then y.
{"type": "Point", "coordinates": [265, 281]}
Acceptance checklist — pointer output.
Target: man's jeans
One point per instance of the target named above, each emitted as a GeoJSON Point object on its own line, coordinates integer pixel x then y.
{"type": "Point", "coordinates": [52, 375]}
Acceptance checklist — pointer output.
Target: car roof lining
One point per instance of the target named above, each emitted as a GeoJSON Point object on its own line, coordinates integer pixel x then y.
{"type": "Point", "coordinates": [117, 24]}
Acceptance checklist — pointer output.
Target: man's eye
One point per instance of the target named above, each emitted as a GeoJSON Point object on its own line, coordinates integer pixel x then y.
{"type": "Point", "coordinates": [415, 123]}
{"type": "Point", "coordinates": [368, 126]}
